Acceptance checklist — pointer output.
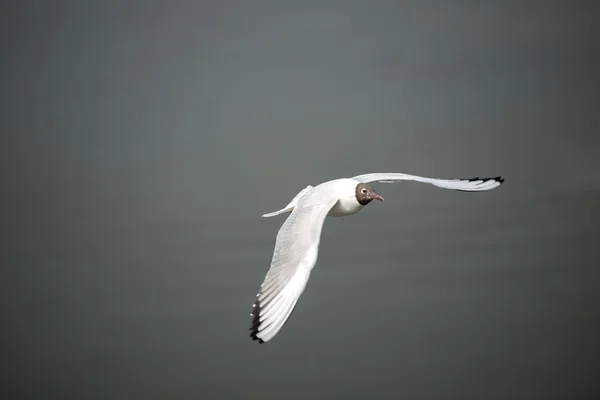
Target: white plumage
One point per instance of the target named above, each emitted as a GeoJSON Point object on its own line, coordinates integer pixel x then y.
{"type": "Point", "coordinates": [297, 243]}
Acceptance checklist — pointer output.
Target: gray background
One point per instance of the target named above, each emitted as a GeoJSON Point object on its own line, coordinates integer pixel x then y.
{"type": "Point", "coordinates": [141, 142]}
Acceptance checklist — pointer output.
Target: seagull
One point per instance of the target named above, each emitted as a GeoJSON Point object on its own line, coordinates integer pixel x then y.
{"type": "Point", "coordinates": [297, 243]}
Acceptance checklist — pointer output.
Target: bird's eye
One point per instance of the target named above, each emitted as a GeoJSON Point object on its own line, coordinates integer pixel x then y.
{"type": "Point", "coordinates": [364, 191]}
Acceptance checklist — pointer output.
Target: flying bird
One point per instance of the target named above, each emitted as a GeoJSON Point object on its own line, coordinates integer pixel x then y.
{"type": "Point", "coordinates": [297, 242]}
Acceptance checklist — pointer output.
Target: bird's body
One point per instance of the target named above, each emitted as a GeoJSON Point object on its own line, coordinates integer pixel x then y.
{"type": "Point", "coordinates": [297, 243]}
{"type": "Point", "coordinates": [346, 204]}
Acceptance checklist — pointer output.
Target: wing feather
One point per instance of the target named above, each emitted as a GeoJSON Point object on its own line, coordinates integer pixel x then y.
{"type": "Point", "coordinates": [462, 184]}
{"type": "Point", "coordinates": [294, 256]}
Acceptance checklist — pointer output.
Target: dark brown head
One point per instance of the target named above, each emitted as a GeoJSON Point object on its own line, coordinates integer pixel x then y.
{"type": "Point", "coordinates": [365, 194]}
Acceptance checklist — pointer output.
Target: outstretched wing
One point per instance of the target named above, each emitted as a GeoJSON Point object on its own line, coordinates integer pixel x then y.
{"type": "Point", "coordinates": [465, 185]}
{"type": "Point", "coordinates": [295, 255]}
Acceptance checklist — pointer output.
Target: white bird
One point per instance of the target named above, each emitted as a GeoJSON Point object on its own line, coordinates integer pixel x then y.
{"type": "Point", "coordinates": [297, 243]}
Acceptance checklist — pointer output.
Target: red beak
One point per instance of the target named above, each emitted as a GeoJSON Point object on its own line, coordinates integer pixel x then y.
{"type": "Point", "coordinates": [378, 197]}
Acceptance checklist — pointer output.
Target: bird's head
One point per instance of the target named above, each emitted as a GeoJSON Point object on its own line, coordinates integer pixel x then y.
{"type": "Point", "coordinates": [365, 194]}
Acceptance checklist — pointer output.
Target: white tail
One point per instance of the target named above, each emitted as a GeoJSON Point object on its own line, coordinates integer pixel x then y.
{"type": "Point", "coordinates": [291, 205]}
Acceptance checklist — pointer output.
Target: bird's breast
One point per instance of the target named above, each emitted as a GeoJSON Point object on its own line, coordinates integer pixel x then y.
{"type": "Point", "coordinates": [345, 207]}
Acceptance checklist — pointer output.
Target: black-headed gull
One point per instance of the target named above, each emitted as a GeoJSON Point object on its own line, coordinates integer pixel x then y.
{"type": "Point", "coordinates": [297, 243]}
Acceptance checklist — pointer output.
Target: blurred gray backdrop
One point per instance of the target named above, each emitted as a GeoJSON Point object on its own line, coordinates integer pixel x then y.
{"type": "Point", "coordinates": [142, 140]}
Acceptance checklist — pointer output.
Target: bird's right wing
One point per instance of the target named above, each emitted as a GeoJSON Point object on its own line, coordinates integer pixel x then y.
{"type": "Point", "coordinates": [295, 255]}
{"type": "Point", "coordinates": [462, 184]}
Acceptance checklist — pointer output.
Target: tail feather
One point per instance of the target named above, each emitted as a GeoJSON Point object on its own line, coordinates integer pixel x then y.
{"type": "Point", "coordinates": [291, 205]}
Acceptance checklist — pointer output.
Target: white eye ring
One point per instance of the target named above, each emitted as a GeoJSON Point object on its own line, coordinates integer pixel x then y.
{"type": "Point", "coordinates": [363, 191]}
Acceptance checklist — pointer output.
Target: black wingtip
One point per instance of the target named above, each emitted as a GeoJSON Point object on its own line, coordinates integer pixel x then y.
{"type": "Point", "coordinates": [255, 322]}
{"type": "Point", "coordinates": [498, 179]}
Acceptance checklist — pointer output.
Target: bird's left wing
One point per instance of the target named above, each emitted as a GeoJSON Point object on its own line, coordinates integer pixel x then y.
{"type": "Point", "coordinates": [295, 255]}
{"type": "Point", "coordinates": [462, 184]}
